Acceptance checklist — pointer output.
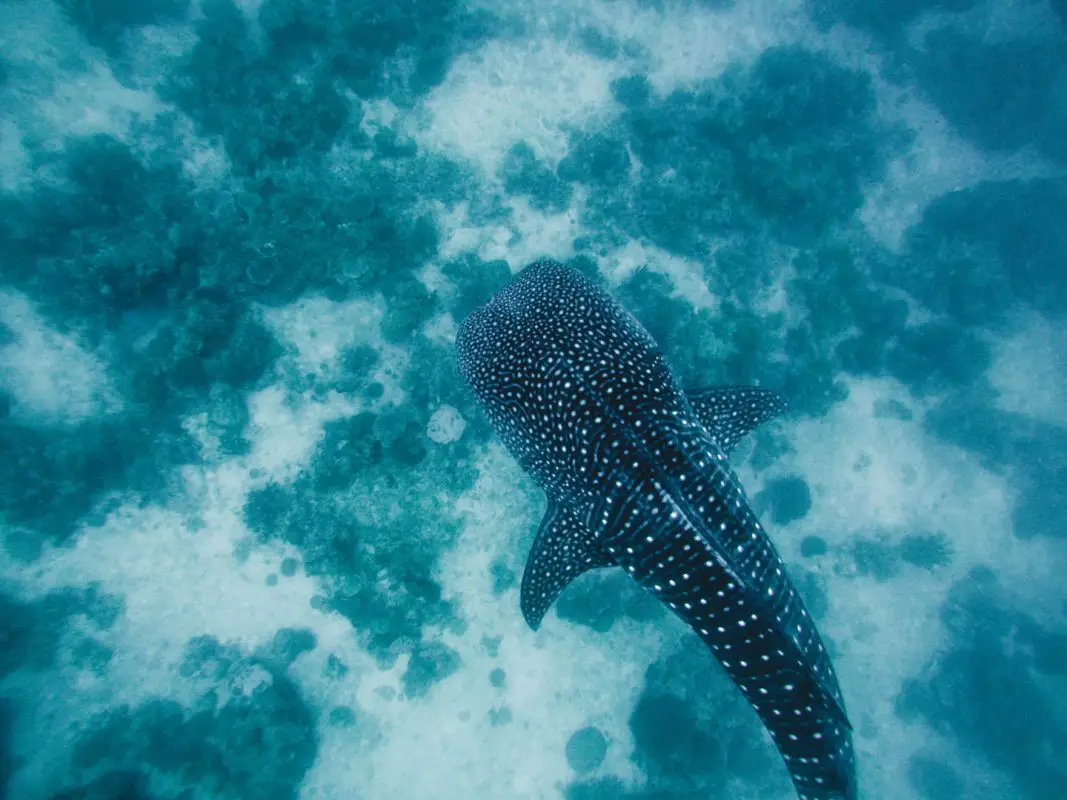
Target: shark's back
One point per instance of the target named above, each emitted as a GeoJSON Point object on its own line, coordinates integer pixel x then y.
{"type": "Point", "coordinates": [525, 352]}
{"type": "Point", "coordinates": [636, 475]}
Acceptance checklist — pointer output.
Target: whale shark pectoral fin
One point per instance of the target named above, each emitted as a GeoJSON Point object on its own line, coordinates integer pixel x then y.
{"type": "Point", "coordinates": [563, 550]}
{"type": "Point", "coordinates": [730, 412]}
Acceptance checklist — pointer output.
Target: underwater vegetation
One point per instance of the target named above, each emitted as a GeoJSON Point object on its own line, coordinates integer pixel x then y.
{"type": "Point", "coordinates": [249, 733]}
{"type": "Point", "coordinates": [999, 660]}
{"type": "Point", "coordinates": [104, 22]}
{"type": "Point", "coordinates": [786, 143]}
{"type": "Point", "coordinates": [37, 634]}
{"type": "Point", "coordinates": [1002, 94]}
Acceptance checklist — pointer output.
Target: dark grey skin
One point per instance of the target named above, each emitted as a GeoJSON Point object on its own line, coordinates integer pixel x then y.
{"type": "Point", "coordinates": [636, 475]}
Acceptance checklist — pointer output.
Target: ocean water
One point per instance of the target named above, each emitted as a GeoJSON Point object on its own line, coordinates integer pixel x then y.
{"type": "Point", "coordinates": [256, 538]}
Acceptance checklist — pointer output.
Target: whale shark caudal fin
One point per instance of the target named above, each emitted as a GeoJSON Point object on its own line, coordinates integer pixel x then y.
{"type": "Point", "coordinates": [730, 412]}
{"type": "Point", "coordinates": [563, 550]}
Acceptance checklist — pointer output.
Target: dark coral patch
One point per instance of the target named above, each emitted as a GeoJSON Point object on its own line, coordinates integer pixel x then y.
{"type": "Point", "coordinates": [250, 733]}
{"type": "Point", "coordinates": [975, 692]}
{"type": "Point", "coordinates": [586, 749]}
{"type": "Point", "coordinates": [787, 499]}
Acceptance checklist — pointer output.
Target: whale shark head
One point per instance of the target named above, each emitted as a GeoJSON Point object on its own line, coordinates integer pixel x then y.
{"type": "Point", "coordinates": [547, 309]}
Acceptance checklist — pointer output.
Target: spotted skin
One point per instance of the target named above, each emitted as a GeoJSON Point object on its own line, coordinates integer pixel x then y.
{"type": "Point", "coordinates": [636, 477]}
{"type": "Point", "coordinates": [729, 412]}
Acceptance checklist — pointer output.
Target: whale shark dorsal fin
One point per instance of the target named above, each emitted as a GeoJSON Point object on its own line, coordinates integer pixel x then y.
{"type": "Point", "coordinates": [563, 550]}
{"type": "Point", "coordinates": [730, 412]}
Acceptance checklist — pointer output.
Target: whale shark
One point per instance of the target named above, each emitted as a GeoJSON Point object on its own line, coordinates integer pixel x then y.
{"type": "Point", "coordinates": [636, 476]}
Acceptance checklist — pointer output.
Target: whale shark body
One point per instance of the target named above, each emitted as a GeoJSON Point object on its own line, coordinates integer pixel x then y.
{"type": "Point", "coordinates": [636, 475]}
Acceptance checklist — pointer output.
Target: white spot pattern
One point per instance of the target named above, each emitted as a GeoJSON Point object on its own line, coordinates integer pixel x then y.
{"type": "Point", "coordinates": [637, 476]}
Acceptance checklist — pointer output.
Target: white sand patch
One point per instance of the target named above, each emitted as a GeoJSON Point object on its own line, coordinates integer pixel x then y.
{"type": "Point", "coordinates": [534, 235]}
{"type": "Point", "coordinates": [542, 236]}
{"type": "Point", "coordinates": [557, 682]}
{"type": "Point", "coordinates": [187, 570]}
{"type": "Point", "coordinates": [689, 42]}
{"type": "Point", "coordinates": [459, 234]}
{"type": "Point", "coordinates": [529, 235]}
{"type": "Point", "coordinates": [441, 330]}
{"type": "Point", "coordinates": [205, 163]}
{"type": "Point", "coordinates": [94, 102]}
{"type": "Point", "coordinates": [320, 329]}
{"type": "Point", "coordinates": [686, 276]}
{"type": "Point", "coordinates": [284, 438]}
{"type": "Point", "coordinates": [14, 158]}
{"type": "Point", "coordinates": [887, 474]}
{"type": "Point", "coordinates": [152, 51]}
{"type": "Point", "coordinates": [379, 114]}
{"type": "Point", "coordinates": [50, 376]}
{"type": "Point", "coordinates": [446, 425]}
{"type": "Point", "coordinates": [531, 91]}
{"type": "Point", "coordinates": [249, 7]}
{"type": "Point", "coordinates": [178, 566]}
{"type": "Point", "coordinates": [177, 584]}
{"type": "Point", "coordinates": [1030, 369]}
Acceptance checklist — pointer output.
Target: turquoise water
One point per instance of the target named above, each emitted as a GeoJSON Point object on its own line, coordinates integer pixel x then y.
{"type": "Point", "coordinates": [259, 542]}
